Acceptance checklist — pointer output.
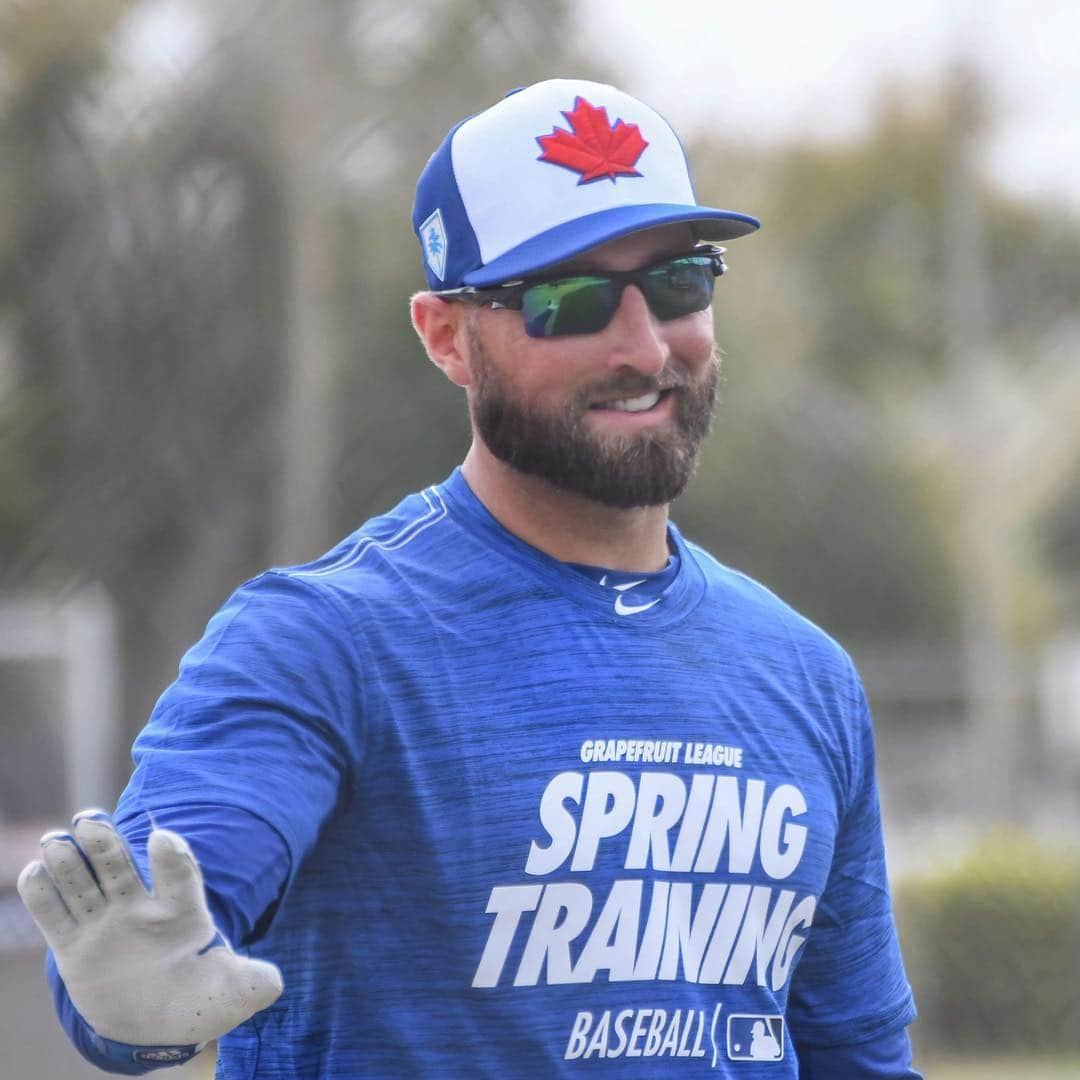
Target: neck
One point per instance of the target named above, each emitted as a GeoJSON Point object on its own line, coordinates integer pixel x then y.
{"type": "Point", "coordinates": [565, 525]}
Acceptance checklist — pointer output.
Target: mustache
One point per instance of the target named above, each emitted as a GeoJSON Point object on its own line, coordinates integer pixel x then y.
{"type": "Point", "coordinates": [633, 384]}
{"type": "Point", "coordinates": [626, 388]}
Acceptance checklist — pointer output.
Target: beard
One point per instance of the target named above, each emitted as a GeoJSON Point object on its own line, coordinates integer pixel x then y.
{"type": "Point", "coordinates": [648, 468]}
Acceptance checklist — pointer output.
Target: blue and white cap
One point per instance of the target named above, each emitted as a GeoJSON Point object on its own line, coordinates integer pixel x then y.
{"type": "Point", "coordinates": [547, 173]}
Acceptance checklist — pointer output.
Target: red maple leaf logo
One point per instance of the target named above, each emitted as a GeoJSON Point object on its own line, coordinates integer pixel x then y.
{"type": "Point", "coordinates": [596, 148]}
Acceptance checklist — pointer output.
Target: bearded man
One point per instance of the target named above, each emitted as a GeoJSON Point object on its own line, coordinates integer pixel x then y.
{"type": "Point", "coordinates": [516, 780]}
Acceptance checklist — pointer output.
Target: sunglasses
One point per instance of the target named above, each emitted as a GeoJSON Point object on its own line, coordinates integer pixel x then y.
{"type": "Point", "coordinates": [673, 286]}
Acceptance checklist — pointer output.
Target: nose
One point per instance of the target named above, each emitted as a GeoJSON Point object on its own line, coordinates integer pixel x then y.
{"type": "Point", "coordinates": [636, 336]}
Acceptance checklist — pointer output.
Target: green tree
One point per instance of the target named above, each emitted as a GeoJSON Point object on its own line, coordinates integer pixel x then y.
{"type": "Point", "coordinates": [183, 270]}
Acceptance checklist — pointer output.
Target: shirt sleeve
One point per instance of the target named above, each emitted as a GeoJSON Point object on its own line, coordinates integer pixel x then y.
{"type": "Point", "coordinates": [886, 1055]}
{"type": "Point", "coordinates": [264, 716]}
{"type": "Point", "coordinates": [246, 755]}
{"type": "Point", "coordinates": [244, 862]}
{"type": "Point", "coordinates": [245, 865]}
{"type": "Point", "coordinates": [849, 989]}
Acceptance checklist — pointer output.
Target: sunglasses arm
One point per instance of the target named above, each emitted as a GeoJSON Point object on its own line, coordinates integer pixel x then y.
{"type": "Point", "coordinates": [505, 296]}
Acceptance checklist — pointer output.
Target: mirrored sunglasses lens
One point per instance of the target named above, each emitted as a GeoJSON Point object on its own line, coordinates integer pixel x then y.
{"type": "Point", "coordinates": [680, 287]}
{"type": "Point", "coordinates": [580, 305]}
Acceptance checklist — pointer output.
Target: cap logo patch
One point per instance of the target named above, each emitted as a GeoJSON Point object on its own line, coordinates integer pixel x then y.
{"type": "Point", "coordinates": [593, 147]}
{"type": "Point", "coordinates": [433, 235]}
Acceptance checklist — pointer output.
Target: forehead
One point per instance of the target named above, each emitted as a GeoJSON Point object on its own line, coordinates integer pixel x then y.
{"type": "Point", "coordinates": [630, 252]}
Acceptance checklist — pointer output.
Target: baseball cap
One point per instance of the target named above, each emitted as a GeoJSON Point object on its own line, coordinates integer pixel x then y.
{"type": "Point", "coordinates": [548, 172]}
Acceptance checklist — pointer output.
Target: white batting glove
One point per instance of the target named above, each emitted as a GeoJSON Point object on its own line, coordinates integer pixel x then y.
{"type": "Point", "coordinates": [139, 965]}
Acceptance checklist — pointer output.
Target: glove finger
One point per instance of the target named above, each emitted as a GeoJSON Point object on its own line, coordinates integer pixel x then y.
{"type": "Point", "coordinates": [71, 875]}
{"type": "Point", "coordinates": [45, 904]}
{"type": "Point", "coordinates": [108, 855]}
{"type": "Point", "coordinates": [229, 990]}
{"type": "Point", "coordinates": [253, 985]}
{"type": "Point", "coordinates": [265, 983]}
{"type": "Point", "coordinates": [177, 880]}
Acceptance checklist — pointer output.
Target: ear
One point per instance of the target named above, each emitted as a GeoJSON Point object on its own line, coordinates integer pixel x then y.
{"type": "Point", "coordinates": [440, 326]}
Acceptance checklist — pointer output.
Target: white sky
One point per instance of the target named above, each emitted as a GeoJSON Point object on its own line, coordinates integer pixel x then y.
{"type": "Point", "coordinates": [782, 69]}
{"type": "Point", "coordinates": [778, 69]}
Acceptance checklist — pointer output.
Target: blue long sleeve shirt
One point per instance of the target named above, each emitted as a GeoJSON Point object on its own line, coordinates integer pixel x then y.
{"type": "Point", "coordinates": [494, 815]}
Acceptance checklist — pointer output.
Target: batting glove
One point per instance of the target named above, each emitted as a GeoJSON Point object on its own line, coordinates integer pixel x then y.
{"type": "Point", "coordinates": [145, 969]}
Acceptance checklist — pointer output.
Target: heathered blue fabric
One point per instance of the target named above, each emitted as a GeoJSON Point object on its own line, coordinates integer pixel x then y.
{"type": "Point", "coordinates": [396, 712]}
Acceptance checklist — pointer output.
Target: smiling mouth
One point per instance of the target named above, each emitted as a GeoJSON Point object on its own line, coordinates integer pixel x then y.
{"type": "Point", "coordinates": [642, 403]}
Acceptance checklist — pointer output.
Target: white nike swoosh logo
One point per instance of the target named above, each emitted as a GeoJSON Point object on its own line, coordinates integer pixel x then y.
{"type": "Point", "coordinates": [623, 608]}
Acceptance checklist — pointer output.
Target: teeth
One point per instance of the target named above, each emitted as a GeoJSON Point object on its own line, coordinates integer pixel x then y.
{"type": "Point", "coordinates": [634, 404]}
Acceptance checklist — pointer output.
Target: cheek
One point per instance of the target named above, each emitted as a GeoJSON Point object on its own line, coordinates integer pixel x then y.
{"type": "Point", "coordinates": [692, 338]}
{"type": "Point", "coordinates": [537, 369]}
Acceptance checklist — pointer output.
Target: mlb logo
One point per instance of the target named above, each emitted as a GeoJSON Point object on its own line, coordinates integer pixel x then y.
{"type": "Point", "coordinates": [752, 1037]}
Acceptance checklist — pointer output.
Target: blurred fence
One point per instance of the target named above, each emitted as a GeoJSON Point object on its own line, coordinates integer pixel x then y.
{"type": "Point", "coordinates": [59, 664]}
{"type": "Point", "coordinates": [988, 911]}
{"type": "Point", "coordinates": [924, 732]}
{"type": "Point", "coordinates": [60, 738]}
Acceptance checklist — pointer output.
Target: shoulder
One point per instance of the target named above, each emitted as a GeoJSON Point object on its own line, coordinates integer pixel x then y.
{"type": "Point", "coordinates": [763, 618]}
{"type": "Point", "coordinates": [362, 564]}
{"type": "Point", "coordinates": [404, 527]}
{"type": "Point", "coordinates": [321, 601]}
{"type": "Point", "coordinates": [757, 600]}
{"type": "Point", "coordinates": [795, 663]}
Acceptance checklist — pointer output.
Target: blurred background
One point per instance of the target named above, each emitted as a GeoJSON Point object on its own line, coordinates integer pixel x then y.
{"type": "Point", "coordinates": [206, 367]}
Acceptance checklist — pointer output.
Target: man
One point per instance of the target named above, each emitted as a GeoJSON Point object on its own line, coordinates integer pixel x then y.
{"type": "Point", "coordinates": [515, 781]}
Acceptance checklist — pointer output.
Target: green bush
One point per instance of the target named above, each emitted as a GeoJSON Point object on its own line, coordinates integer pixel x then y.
{"type": "Point", "coordinates": [992, 948]}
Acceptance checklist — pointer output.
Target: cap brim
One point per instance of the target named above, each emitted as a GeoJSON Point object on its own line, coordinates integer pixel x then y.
{"type": "Point", "coordinates": [573, 237]}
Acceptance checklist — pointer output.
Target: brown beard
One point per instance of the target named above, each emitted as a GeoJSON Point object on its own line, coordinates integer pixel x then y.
{"type": "Point", "coordinates": [649, 468]}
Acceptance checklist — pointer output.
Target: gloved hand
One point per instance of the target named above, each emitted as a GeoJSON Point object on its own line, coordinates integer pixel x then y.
{"type": "Point", "coordinates": [143, 968]}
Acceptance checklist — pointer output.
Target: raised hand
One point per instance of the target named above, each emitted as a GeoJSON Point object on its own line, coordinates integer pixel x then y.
{"type": "Point", "coordinates": [145, 968]}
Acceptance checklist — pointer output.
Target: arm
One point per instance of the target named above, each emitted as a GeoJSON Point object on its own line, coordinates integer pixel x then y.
{"type": "Point", "coordinates": [850, 1002]}
{"type": "Point", "coordinates": [245, 754]}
